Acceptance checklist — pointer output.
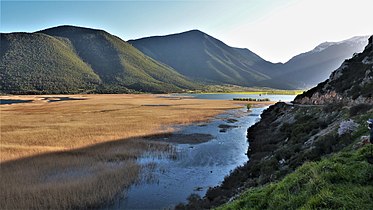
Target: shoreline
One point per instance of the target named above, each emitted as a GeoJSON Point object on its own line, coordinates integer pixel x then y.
{"type": "Point", "coordinates": [280, 92]}
{"type": "Point", "coordinates": [166, 171]}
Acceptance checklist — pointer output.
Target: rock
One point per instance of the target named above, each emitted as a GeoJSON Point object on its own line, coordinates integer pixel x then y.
{"type": "Point", "coordinates": [365, 140]}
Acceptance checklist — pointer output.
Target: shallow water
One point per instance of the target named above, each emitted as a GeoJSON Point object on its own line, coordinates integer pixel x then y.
{"type": "Point", "coordinates": [13, 101]}
{"type": "Point", "coordinates": [58, 99]}
{"type": "Point", "coordinates": [197, 166]}
{"type": "Point", "coordinates": [225, 96]}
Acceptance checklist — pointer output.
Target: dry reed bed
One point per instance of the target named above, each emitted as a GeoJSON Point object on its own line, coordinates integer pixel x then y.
{"type": "Point", "coordinates": [81, 178]}
{"type": "Point", "coordinates": [81, 154]}
{"type": "Point", "coordinates": [32, 128]}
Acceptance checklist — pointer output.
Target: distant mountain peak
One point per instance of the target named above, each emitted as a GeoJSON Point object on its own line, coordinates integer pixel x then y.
{"type": "Point", "coordinates": [63, 29]}
{"type": "Point", "coordinates": [194, 31]}
{"type": "Point", "coordinates": [351, 83]}
{"type": "Point", "coordinates": [354, 40]}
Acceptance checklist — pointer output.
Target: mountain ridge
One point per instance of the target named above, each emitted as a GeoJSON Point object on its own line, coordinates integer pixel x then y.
{"type": "Point", "coordinates": [300, 72]}
{"type": "Point", "coordinates": [119, 67]}
{"type": "Point", "coordinates": [200, 56]}
{"type": "Point", "coordinates": [161, 63]}
{"type": "Point", "coordinates": [309, 68]}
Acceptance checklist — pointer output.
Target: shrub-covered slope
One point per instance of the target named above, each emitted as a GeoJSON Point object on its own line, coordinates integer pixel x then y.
{"type": "Point", "coordinates": [38, 63]}
{"type": "Point", "coordinates": [351, 83]}
{"type": "Point", "coordinates": [68, 59]}
{"type": "Point", "coordinates": [326, 134]}
{"type": "Point", "coordinates": [120, 64]}
{"type": "Point", "coordinates": [324, 139]}
{"type": "Point", "coordinates": [200, 56]}
{"type": "Point", "coordinates": [342, 181]}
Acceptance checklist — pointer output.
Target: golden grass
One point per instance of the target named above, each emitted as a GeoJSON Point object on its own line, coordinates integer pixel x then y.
{"type": "Point", "coordinates": [82, 153]}
{"type": "Point", "coordinates": [37, 127]}
{"type": "Point", "coordinates": [76, 179]}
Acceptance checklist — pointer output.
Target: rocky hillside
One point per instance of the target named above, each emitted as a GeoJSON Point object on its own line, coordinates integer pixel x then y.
{"type": "Point", "coordinates": [322, 128]}
{"type": "Point", "coordinates": [352, 83]}
{"type": "Point", "coordinates": [68, 59]}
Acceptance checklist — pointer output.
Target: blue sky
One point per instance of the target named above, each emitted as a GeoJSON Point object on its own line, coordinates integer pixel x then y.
{"type": "Point", "coordinates": [274, 29]}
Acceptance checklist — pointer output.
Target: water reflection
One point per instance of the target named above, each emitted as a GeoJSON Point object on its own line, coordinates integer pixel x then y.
{"type": "Point", "coordinates": [167, 182]}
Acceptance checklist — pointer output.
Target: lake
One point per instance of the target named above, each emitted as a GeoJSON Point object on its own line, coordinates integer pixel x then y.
{"type": "Point", "coordinates": [197, 166]}
{"type": "Point", "coordinates": [226, 96]}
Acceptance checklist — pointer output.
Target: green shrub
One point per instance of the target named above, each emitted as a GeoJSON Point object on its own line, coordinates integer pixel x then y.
{"type": "Point", "coordinates": [360, 109]}
{"type": "Point", "coordinates": [342, 181]}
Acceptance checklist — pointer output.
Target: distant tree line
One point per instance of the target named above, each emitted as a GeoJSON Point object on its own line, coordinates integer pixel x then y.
{"type": "Point", "coordinates": [251, 99]}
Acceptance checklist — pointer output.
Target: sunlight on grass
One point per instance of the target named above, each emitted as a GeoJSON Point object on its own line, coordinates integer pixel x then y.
{"type": "Point", "coordinates": [82, 153]}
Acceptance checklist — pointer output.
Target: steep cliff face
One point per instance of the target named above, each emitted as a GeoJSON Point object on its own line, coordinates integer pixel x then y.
{"type": "Point", "coordinates": [352, 83]}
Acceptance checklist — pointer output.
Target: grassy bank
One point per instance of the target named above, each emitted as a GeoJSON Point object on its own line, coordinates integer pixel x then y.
{"type": "Point", "coordinates": [342, 181]}
{"type": "Point", "coordinates": [332, 174]}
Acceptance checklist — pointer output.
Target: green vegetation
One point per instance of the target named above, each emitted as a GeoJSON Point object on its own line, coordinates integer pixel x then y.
{"type": "Point", "coordinates": [206, 59]}
{"type": "Point", "coordinates": [70, 59]}
{"type": "Point", "coordinates": [311, 154]}
{"type": "Point", "coordinates": [286, 138]}
{"type": "Point", "coordinates": [38, 63]}
{"type": "Point", "coordinates": [351, 81]}
{"type": "Point", "coordinates": [306, 163]}
{"type": "Point", "coordinates": [342, 181]}
{"type": "Point", "coordinates": [361, 71]}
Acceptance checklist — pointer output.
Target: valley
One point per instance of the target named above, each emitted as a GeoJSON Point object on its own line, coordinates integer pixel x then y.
{"type": "Point", "coordinates": [186, 105]}
{"type": "Point", "coordinates": [77, 60]}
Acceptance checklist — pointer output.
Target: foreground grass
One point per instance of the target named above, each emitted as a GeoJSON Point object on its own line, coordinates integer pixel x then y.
{"type": "Point", "coordinates": [343, 181]}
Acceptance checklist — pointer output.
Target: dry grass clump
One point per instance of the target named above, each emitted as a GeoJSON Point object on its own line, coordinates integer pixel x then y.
{"type": "Point", "coordinates": [83, 178]}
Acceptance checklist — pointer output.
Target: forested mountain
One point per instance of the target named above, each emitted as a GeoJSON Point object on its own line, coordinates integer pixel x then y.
{"type": "Point", "coordinates": [204, 58]}
{"type": "Point", "coordinates": [68, 59]}
{"type": "Point", "coordinates": [200, 56]}
{"type": "Point", "coordinates": [33, 63]}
